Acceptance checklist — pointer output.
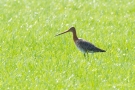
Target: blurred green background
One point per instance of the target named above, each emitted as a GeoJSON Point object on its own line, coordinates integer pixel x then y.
{"type": "Point", "coordinates": [32, 58]}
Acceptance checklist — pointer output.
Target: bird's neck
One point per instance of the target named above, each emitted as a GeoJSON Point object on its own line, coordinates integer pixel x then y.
{"type": "Point", "coordinates": [75, 36]}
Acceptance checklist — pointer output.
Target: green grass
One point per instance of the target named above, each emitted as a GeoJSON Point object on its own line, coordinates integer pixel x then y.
{"type": "Point", "coordinates": [32, 58]}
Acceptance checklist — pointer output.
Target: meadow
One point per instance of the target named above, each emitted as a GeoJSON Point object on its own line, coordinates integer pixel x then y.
{"type": "Point", "coordinates": [32, 58]}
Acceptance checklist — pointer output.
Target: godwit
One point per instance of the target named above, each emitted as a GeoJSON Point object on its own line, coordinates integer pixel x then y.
{"type": "Point", "coordinates": [82, 45]}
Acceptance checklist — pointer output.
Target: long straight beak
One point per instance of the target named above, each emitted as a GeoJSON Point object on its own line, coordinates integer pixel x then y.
{"type": "Point", "coordinates": [62, 33]}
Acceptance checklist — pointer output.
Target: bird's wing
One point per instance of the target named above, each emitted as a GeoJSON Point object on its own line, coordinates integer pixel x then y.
{"type": "Point", "coordinates": [88, 47]}
{"type": "Point", "coordinates": [85, 45]}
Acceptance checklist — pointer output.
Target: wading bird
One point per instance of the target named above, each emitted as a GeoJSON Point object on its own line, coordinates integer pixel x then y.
{"type": "Point", "coordinates": [82, 45]}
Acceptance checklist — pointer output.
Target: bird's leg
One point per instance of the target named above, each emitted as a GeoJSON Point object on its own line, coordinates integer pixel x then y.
{"type": "Point", "coordinates": [87, 55]}
{"type": "Point", "coordinates": [84, 55]}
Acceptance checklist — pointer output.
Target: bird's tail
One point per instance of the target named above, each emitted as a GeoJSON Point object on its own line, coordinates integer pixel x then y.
{"type": "Point", "coordinates": [100, 50]}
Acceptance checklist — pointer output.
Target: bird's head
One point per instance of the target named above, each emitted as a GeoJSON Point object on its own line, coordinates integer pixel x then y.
{"type": "Point", "coordinates": [72, 29]}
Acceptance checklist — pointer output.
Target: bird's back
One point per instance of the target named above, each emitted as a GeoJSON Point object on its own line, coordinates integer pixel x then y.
{"type": "Point", "coordinates": [85, 46]}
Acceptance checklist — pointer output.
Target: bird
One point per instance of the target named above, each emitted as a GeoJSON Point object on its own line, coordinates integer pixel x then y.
{"type": "Point", "coordinates": [84, 46]}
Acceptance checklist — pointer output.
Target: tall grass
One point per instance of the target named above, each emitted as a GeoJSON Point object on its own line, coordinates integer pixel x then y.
{"type": "Point", "coordinates": [31, 57]}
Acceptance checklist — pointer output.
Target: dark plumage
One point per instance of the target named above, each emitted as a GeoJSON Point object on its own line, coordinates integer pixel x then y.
{"type": "Point", "coordinates": [87, 46]}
